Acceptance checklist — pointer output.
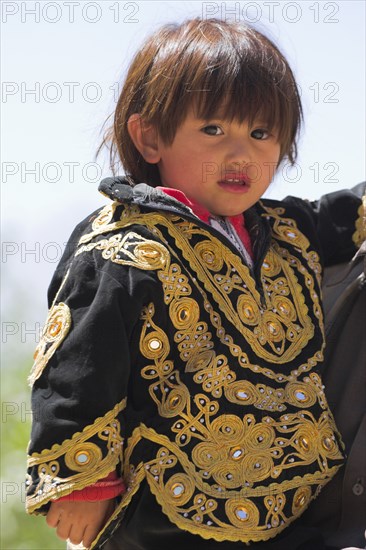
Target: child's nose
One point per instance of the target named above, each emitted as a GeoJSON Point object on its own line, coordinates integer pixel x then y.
{"type": "Point", "coordinates": [239, 152]}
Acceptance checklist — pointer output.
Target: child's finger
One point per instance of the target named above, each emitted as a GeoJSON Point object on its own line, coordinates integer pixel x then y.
{"type": "Point", "coordinates": [63, 529]}
{"type": "Point", "coordinates": [77, 533]}
{"type": "Point", "coordinates": [53, 516]}
{"type": "Point", "coordinates": [89, 535]}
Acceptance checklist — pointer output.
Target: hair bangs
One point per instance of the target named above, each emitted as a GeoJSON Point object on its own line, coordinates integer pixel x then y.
{"type": "Point", "coordinates": [243, 101]}
{"type": "Point", "coordinates": [238, 75]}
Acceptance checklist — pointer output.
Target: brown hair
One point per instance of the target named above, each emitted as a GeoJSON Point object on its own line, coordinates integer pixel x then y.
{"type": "Point", "coordinates": [208, 64]}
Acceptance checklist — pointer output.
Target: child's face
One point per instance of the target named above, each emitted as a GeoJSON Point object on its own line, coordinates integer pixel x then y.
{"type": "Point", "coordinates": [224, 166]}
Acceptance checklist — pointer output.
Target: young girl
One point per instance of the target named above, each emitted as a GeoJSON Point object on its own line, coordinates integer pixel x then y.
{"type": "Point", "coordinates": [176, 394]}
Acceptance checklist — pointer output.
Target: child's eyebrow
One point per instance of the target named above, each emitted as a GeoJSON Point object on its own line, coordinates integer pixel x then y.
{"type": "Point", "coordinates": [260, 123]}
{"type": "Point", "coordinates": [215, 118]}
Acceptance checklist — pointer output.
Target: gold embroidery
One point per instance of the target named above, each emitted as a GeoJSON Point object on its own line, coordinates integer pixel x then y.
{"type": "Point", "coordinates": [56, 328]}
{"type": "Point", "coordinates": [132, 249]}
{"type": "Point", "coordinates": [246, 513]}
{"type": "Point", "coordinates": [301, 499]}
{"type": "Point", "coordinates": [359, 235]}
{"type": "Point", "coordinates": [309, 282]}
{"type": "Point", "coordinates": [279, 336]}
{"type": "Point", "coordinates": [105, 223]}
{"type": "Point", "coordinates": [201, 360]}
{"type": "Point", "coordinates": [210, 253]}
{"type": "Point", "coordinates": [182, 231]}
{"type": "Point", "coordinates": [275, 505]}
{"type": "Point", "coordinates": [82, 456]}
{"type": "Point", "coordinates": [275, 340]}
{"type": "Point", "coordinates": [286, 230]}
{"type": "Point", "coordinates": [242, 358]}
{"type": "Point", "coordinates": [231, 455]}
{"type": "Point", "coordinates": [272, 335]}
{"type": "Point", "coordinates": [214, 376]}
{"type": "Point", "coordinates": [243, 514]}
{"type": "Point", "coordinates": [90, 460]}
{"type": "Point", "coordinates": [224, 472]}
{"type": "Point", "coordinates": [169, 394]}
{"type": "Point", "coordinates": [175, 285]}
{"type": "Point", "coordinates": [184, 313]}
{"type": "Point", "coordinates": [105, 216]}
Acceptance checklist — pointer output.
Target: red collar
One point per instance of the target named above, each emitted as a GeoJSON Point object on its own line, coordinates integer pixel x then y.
{"type": "Point", "coordinates": [204, 215]}
{"type": "Point", "coordinates": [199, 210]}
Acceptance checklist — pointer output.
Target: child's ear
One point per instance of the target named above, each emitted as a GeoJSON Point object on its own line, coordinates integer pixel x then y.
{"type": "Point", "coordinates": [145, 138]}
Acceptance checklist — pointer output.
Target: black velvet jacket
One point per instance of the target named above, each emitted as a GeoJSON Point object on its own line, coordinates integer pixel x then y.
{"type": "Point", "coordinates": [165, 356]}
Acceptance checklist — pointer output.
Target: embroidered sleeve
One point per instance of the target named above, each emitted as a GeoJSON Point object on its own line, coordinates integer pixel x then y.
{"type": "Point", "coordinates": [79, 382]}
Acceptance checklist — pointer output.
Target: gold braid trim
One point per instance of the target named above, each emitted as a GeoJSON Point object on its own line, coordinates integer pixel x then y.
{"type": "Point", "coordinates": [132, 250]}
{"type": "Point", "coordinates": [137, 476]}
{"type": "Point", "coordinates": [104, 224]}
{"type": "Point", "coordinates": [195, 507]}
{"type": "Point", "coordinates": [206, 270]}
{"type": "Point", "coordinates": [212, 487]}
{"type": "Point", "coordinates": [250, 301]}
{"type": "Point", "coordinates": [206, 261]}
{"type": "Point", "coordinates": [79, 455]}
{"type": "Point", "coordinates": [57, 326]}
{"type": "Point", "coordinates": [359, 235]}
{"type": "Point", "coordinates": [55, 330]}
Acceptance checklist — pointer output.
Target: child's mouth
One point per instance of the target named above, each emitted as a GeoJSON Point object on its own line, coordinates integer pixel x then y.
{"type": "Point", "coordinates": [232, 180]}
{"type": "Point", "coordinates": [235, 184]}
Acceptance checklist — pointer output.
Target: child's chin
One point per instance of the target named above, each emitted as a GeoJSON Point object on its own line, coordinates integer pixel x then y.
{"type": "Point", "coordinates": [230, 213]}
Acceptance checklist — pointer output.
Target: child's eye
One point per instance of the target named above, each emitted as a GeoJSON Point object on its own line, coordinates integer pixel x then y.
{"type": "Point", "coordinates": [212, 130]}
{"type": "Point", "coordinates": [260, 133]}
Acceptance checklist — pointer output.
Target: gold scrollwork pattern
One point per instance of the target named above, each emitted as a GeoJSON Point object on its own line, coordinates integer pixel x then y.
{"type": "Point", "coordinates": [215, 476]}
{"type": "Point", "coordinates": [199, 354]}
{"type": "Point", "coordinates": [57, 326]}
{"type": "Point", "coordinates": [105, 216]}
{"type": "Point", "coordinates": [279, 311]}
{"type": "Point", "coordinates": [283, 328]}
{"type": "Point", "coordinates": [132, 249]}
{"type": "Point", "coordinates": [286, 230]}
{"type": "Point", "coordinates": [234, 508]}
{"type": "Point", "coordinates": [197, 340]}
{"type": "Point", "coordinates": [89, 461]}
{"type": "Point", "coordinates": [105, 223]}
{"type": "Point", "coordinates": [277, 331]}
{"type": "Point", "coordinates": [167, 391]}
{"type": "Point", "coordinates": [359, 236]}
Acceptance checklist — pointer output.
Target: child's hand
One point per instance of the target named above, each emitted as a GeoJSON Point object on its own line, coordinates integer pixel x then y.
{"type": "Point", "coordinates": [79, 521]}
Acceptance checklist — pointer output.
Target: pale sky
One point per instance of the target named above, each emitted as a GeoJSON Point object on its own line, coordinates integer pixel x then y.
{"type": "Point", "coordinates": [73, 56]}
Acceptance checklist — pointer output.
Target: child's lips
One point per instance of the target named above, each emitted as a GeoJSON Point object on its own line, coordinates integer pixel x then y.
{"type": "Point", "coordinates": [235, 183]}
